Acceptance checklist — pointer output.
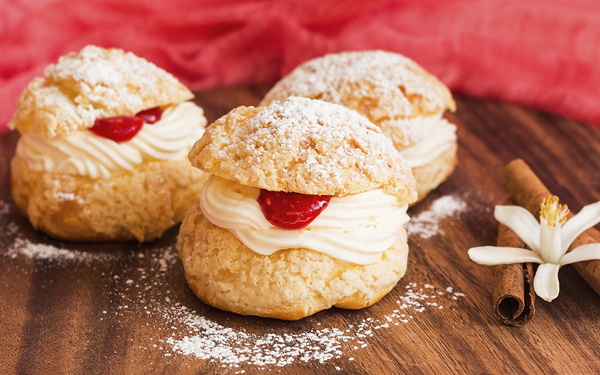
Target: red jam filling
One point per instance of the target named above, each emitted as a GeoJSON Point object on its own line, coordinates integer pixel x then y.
{"type": "Point", "coordinates": [119, 129]}
{"type": "Point", "coordinates": [291, 210]}
{"type": "Point", "coordinates": [123, 128]}
{"type": "Point", "coordinates": [150, 116]}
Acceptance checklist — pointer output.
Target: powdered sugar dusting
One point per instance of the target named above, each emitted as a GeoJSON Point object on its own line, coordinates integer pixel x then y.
{"type": "Point", "coordinates": [11, 228]}
{"type": "Point", "coordinates": [383, 72]}
{"type": "Point", "coordinates": [388, 82]}
{"type": "Point", "coordinates": [143, 291]}
{"type": "Point", "coordinates": [215, 342]}
{"type": "Point", "coordinates": [60, 196]}
{"type": "Point", "coordinates": [426, 223]}
{"type": "Point", "coordinates": [210, 341]}
{"type": "Point", "coordinates": [4, 208]}
{"type": "Point", "coordinates": [95, 83]}
{"type": "Point", "coordinates": [301, 119]}
{"type": "Point", "coordinates": [26, 248]}
{"type": "Point", "coordinates": [99, 73]}
{"type": "Point", "coordinates": [307, 146]}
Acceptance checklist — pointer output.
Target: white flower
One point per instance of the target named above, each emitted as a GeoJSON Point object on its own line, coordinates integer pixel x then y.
{"type": "Point", "coordinates": [548, 240]}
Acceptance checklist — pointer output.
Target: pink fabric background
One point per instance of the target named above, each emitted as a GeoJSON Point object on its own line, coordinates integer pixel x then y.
{"type": "Point", "coordinates": [539, 53]}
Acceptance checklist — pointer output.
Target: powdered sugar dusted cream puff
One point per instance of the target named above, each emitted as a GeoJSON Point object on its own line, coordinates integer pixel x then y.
{"type": "Point", "coordinates": [303, 210]}
{"type": "Point", "coordinates": [394, 93]}
{"type": "Point", "coordinates": [103, 148]}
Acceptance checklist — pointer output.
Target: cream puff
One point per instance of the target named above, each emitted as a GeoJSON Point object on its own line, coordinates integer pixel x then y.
{"type": "Point", "coordinates": [103, 148]}
{"type": "Point", "coordinates": [394, 93]}
{"type": "Point", "coordinates": [303, 210]}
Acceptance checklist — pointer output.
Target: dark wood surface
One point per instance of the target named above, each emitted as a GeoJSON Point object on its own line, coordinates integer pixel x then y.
{"type": "Point", "coordinates": [113, 307]}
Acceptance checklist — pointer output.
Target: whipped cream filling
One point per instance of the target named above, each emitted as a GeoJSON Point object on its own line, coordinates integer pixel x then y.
{"type": "Point", "coordinates": [84, 153]}
{"type": "Point", "coordinates": [439, 136]}
{"type": "Point", "coordinates": [356, 228]}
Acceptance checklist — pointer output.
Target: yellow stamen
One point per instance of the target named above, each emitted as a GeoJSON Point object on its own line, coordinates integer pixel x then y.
{"type": "Point", "coordinates": [553, 212]}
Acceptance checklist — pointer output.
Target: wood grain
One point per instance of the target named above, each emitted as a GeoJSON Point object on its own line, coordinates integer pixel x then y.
{"type": "Point", "coordinates": [106, 313]}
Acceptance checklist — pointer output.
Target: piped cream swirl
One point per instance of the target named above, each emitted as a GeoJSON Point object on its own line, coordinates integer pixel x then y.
{"type": "Point", "coordinates": [356, 228]}
{"type": "Point", "coordinates": [84, 153]}
{"type": "Point", "coordinates": [439, 135]}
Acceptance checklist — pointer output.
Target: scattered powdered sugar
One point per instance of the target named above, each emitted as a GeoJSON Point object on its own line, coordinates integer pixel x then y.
{"type": "Point", "coordinates": [12, 228]}
{"type": "Point", "coordinates": [384, 72]}
{"type": "Point", "coordinates": [26, 248]}
{"type": "Point", "coordinates": [214, 342]}
{"type": "Point", "coordinates": [41, 251]}
{"type": "Point", "coordinates": [103, 73]}
{"type": "Point", "coordinates": [315, 145]}
{"type": "Point", "coordinates": [4, 208]}
{"type": "Point", "coordinates": [426, 223]}
{"type": "Point", "coordinates": [144, 290]}
{"type": "Point", "coordinates": [96, 83]}
{"type": "Point", "coordinates": [176, 329]}
{"type": "Point", "coordinates": [60, 196]}
{"type": "Point", "coordinates": [399, 85]}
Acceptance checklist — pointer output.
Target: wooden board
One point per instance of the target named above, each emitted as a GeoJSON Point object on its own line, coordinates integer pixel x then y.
{"type": "Point", "coordinates": [124, 307]}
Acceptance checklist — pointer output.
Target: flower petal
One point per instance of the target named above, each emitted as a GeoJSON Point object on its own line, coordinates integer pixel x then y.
{"type": "Point", "coordinates": [522, 223]}
{"type": "Point", "coordinates": [545, 282]}
{"type": "Point", "coordinates": [585, 219]}
{"type": "Point", "coordinates": [491, 255]}
{"type": "Point", "coordinates": [550, 244]}
{"type": "Point", "coordinates": [581, 253]}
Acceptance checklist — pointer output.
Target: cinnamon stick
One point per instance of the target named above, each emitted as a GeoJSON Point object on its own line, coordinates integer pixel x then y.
{"type": "Point", "coordinates": [526, 189]}
{"type": "Point", "coordinates": [513, 297]}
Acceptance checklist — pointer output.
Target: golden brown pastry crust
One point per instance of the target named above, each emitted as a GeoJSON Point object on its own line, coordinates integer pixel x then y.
{"type": "Point", "coordinates": [95, 83]}
{"type": "Point", "coordinates": [391, 90]}
{"type": "Point", "coordinates": [385, 87]}
{"type": "Point", "coordinates": [137, 205]}
{"type": "Point", "coordinates": [289, 284]}
{"type": "Point", "coordinates": [304, 146]}
{"type": "Point", "coordinates": [430, 176]}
